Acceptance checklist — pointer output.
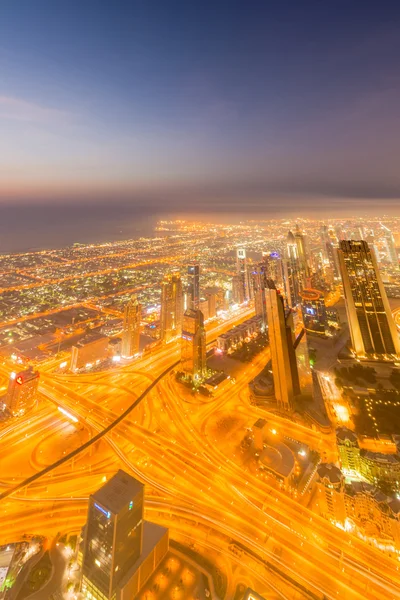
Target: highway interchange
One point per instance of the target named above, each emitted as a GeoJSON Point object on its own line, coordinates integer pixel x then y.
{"type": "Point", "coordinates": [193, 486]}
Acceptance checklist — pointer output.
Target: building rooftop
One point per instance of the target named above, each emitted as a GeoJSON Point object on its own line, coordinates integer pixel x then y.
{"type": "Point", "coordinates": [330, 471]}
{"type": "Point", "coordinates": [342, 434]}
{"type": "Point", "coordinates": [118, 491]}
{"type": "Point", "coordinates": [152, 534]}
{"type": "Point", "coordinates": [378, 457]}
{"type": "Point", "coordinates": [89, 338]}
{"type": "Point", "coordinates": [279, 459]}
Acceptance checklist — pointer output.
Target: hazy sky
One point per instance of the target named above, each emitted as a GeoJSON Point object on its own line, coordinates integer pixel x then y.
{"type": "Point", "coordinates": [218, 104]}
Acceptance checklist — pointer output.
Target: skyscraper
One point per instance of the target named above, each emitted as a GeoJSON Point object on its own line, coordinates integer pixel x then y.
{"type": "Point", "coordinates": [21, 394]}
{"type": "Point", "coordinates": [333, 259]}
{"type": "Point", "coordinates": [171, 307]}
{"type": "Point", "coordinates": [113, 536]}
{"type": "Point", "coordinates": [372, 328]}
{"type": "Point", "coordinates": [120, 549]}
{"type": "Point", "coordinates": [193, 348]}
{"type": "Point", "coordinates": [302, 253]}
{"type": "Point", "coordinates": [193, 286]}
{"type": "Point", "coordinates": [237, 289]}
{"type": "Point", "coordinates": [294, 272]}
{"type": "Point", "coordinates": [258, 283]}
{"type": "Point", "coordinates": [390, 245]}
{"type": "Point", "coordinates": [131, 332]}
{"type": "Point", "coordinates": [242, 274]}
{"type": "Point", "coordinates": [274, 268]}
{"type": "Point", "coordinates": [283, 356]}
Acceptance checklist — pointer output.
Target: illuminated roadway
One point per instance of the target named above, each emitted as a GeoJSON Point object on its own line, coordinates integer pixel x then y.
{"type": "Point", "coordinates": [165, 441]}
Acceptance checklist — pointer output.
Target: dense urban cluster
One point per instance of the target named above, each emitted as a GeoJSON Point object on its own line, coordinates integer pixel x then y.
{"type": "Point", "coordinates": [210, 412]}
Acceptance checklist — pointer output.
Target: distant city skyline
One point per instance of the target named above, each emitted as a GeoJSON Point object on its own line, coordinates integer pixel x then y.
{"type": "Point", "coordinates": [218, 106]}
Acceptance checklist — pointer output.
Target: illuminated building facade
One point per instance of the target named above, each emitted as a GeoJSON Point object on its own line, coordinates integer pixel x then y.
{"type": "Point", "coordinates": [390, 245]}
{"type": "Point", "coordinates": [274, 268]}
{"type": "Point", "coordinates": [372, 328]}
{"type": "Point", "coordinates": [237, 290]}
{"type": "Point", "coordinates": [211, 297]}
{"type": "Point", "coordinates": [377, 468]}
{"type": "Point", "coordinates": [131, 332]}
{"type": "Point", "coordinates": [333, 259]}
{"type": "Point", "coordinates": [171, 307]}
{"type": "Point", "coordinates": [358, 504]}
{"type": "Point", "coordinates": [21, 394]}
{"type": "Point", "coordinates": [90, 350]}
{"type": "Point", "coordinates": [240, 334]}
{"type": "Point", "coordinates": [242, 274]}
{"type": "Point", "coordinates": [330, 486]}
{"type": "Point", "coordinates": [113, 536]}
{"type": "Point", "coordinates": [295, 275]}
{"type": "Point", "coordinates": [348, 449]}
{"type": "Point", "coordinates": [120, 549]}
{"type": "Point", "coordinates": [193, 345]}
{"type": "Point", "coordinates": [193, 287]}
{"type": "Point", "coordinates": [314, 311]}
{"type": "Point", "coordinates": [258, 279]}
{"type": "Point", "coordinates": [302, 253]}
{"type": "Point", "coordinates": [283, 357]}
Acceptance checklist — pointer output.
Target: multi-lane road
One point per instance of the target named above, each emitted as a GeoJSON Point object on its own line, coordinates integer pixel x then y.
{"type": "Point", "coordinates": [193, 485]}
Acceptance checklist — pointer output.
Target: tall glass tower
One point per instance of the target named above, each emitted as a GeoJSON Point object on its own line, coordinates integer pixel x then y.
{"type": "Point", "coordinates": [171, 307]}
{"type": "Point", "coordinates": [372, 328]}
{"type": "Point", "coordinates": [113, 537]}
{"type": "Point", "coordinates": [131, 332]}
{"type": "Point", "coordinates": [193, 286]}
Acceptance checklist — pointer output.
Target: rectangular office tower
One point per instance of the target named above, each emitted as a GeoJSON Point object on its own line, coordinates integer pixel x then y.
{"type": "Point", "coordinates": [171, 307]}
{"type": "Point", "coordinates": [193, 287]}
{"type": "Point", "coordinates": [131, 332]}
{"type": "Point", "coordinates": [372, 328]}
{"type": "Point", "coordinates": [193, 348]}
{"type": "Point", "coordinates": [242, 275]}
{"type": "Point", "coordinates": [283, 356]}
{"type": "Point", "coordinates": [258, 283]}
{"type": "Point", "coordinates": [113, 537]}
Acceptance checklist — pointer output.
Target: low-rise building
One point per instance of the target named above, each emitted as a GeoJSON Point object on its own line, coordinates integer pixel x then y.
{"type": "Point", "coordinates": [88, 351]}
{"type": "Point", "coordinates": [377, 468]}
{"type": "Point", "coordinates": [230, 340]}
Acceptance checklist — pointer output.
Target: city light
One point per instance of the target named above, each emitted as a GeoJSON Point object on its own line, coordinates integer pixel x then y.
{"type": "Point", "coordinates": [67, 414]}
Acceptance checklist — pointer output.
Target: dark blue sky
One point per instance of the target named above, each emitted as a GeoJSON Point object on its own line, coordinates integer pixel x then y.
{"type": "Point", "coordinates": [213, 104]}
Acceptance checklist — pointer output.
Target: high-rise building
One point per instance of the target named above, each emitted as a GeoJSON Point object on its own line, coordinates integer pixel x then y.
{"type": "Point", "coordinates": [21, 394]}
{"type": "Point", "coordinates": [242, 274]}
{"type": "Point", "coordinates": [372, 328]}
{"type": "Point", "coordinates": [113, 536]}
{"type": "Point", "coordinates": [274, 268]}
{"type": "Point", "coordinates": [131, 332]}
{"type": "Point", "coordinates": [237, 290]}
{"type": "Point", "coordinates": [314, 311]}
{"type": "Point", "coordinates": [171, 307]}
{"type": "Point", "coordinates": [193, 287]}
{"type": "Point", "coordinates": [390, 245]}
{"type": "Point", "coordinates": [302, 252]}
{"type": "Point", "coordinates": [120, 549]}
{"type": "Point", "coordinates": [258, 284]}
{"type": "Point", "coordinates": [193, 348]}
{"type": "Point", "coordinates": [333, 259]}
{"type": "Point", "coordinates": [283, 356]}
{"type": "Point", "coordinates": [295, 276]}
{"type": "Point", "coordinates": [211, 297]}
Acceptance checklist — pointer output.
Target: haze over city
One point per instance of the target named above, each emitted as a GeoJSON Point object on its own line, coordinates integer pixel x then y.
{"type": "Point", "coordinates": [199, 300]}
{"type": "Point", "coordinates": [200, 105]}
